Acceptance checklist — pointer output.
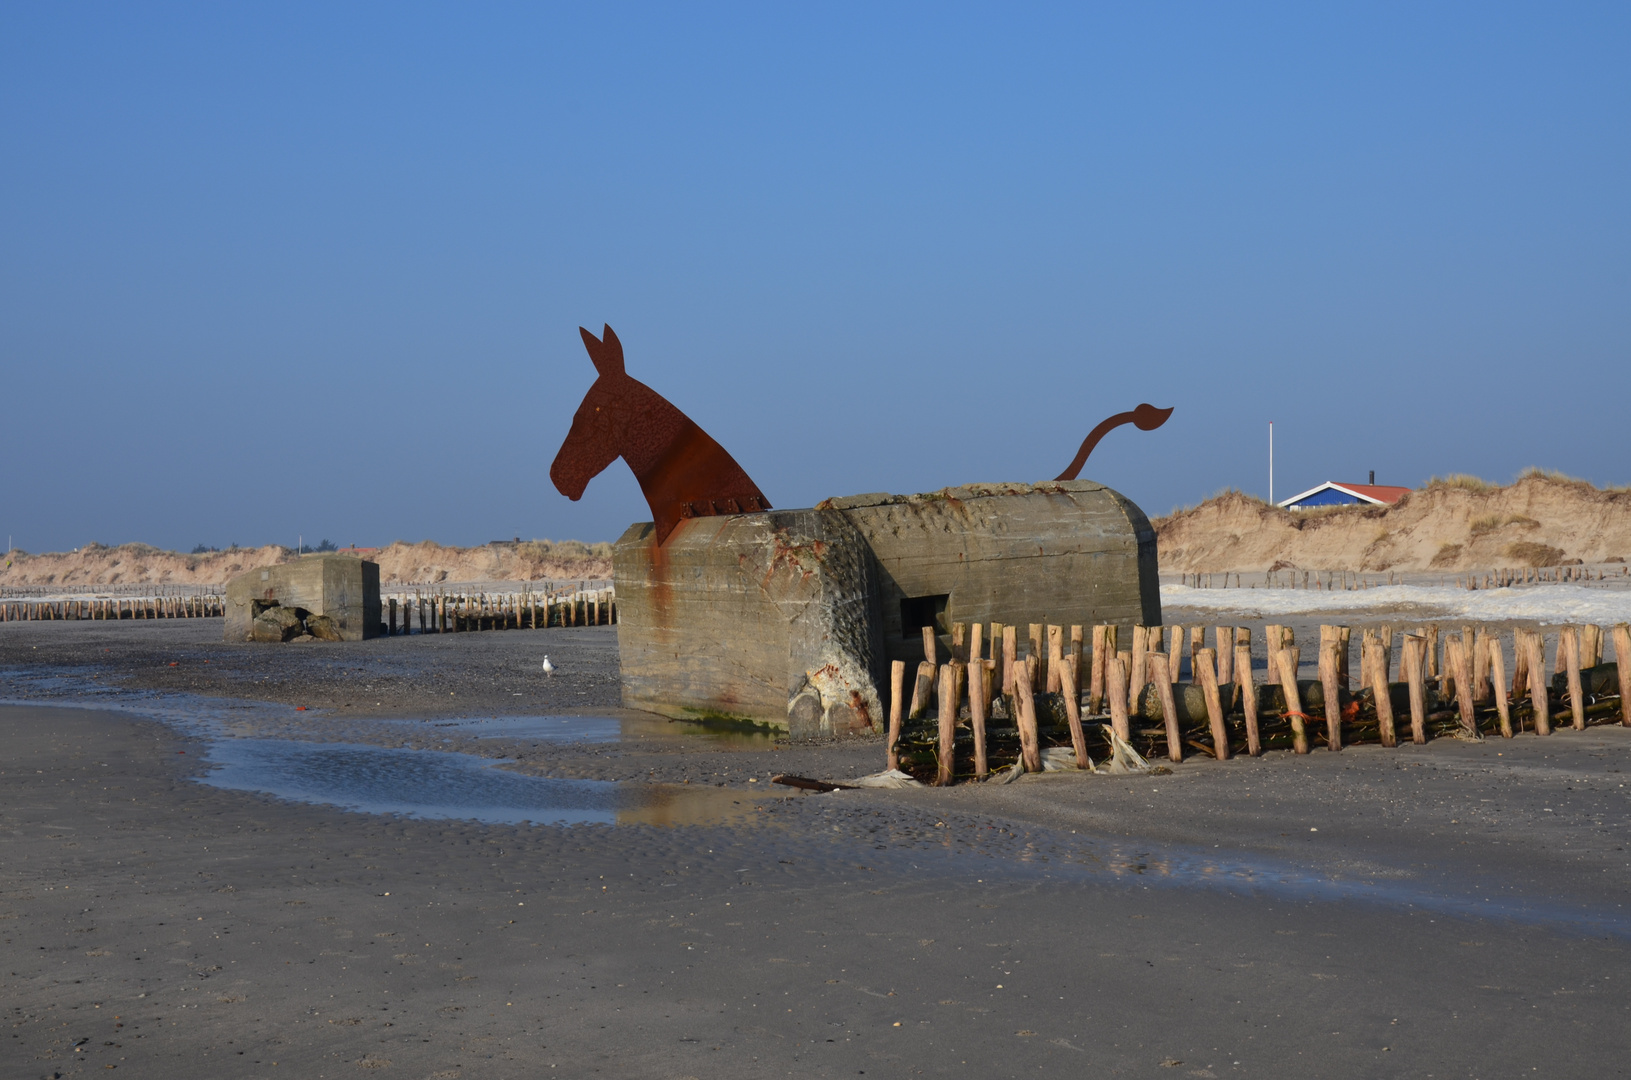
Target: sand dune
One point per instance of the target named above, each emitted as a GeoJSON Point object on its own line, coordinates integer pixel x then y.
{"type": "Point", "coordinates": [1445, 527]}
{"type": "Point", "coordinates": [424, 562]}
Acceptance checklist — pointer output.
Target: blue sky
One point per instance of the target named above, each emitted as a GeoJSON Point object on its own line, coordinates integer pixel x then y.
{"type": "Point", "coordinates": [273, 270]}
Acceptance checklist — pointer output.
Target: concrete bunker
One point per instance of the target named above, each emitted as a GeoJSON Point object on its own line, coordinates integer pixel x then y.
{"type": "Point", "coordinates": [791, 618]}
{"type": "Point", "coordinates": [327, 597]}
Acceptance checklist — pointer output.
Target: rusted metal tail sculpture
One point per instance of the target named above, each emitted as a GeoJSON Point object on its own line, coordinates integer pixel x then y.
{"type": "Point", "coordinates": [682, 471]}
{"type": "Point", "coordinates": [1145, 417]}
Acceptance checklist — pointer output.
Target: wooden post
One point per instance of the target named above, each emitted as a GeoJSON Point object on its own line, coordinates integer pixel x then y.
{"type": "Point", "coordinates": [1037, 651]}
{"type": "Point", "coordinates": [1116, 680]}
{"type": "Point", "coordinates": [959, 641]}
{"type": "Point", "coordinates": [1344, 641]}
{"type": "Point", "coordinates": [979, 693]}
{"type": "Point", "coordinates": [1010, 644]}
{"type": "Point", "coordinates": [1096, 681]}
{"type": "Point", "coordinates": [1622, 664]}
{"type": "Point", "coordinates": [390, 617]}
{"type": "Point", "coordinates": [1274, 640]}
{"type": "Point", "coordinates": [1223, 642]}
{"type": "Point", "coordinates": [976, 646]}
{"type": "Point", "coordinates": [1464, 684]}
{"type": "Point", "coordinates": [1075, 657]}
{"type": "Point", "coordinates": [1539, 701]}
{"type": "Point", "coordinates": [1380, 690]}
{"type": "Point", "coordinates": [1330, 680]}
{"type": "Point", "coordinates": [921, 690]}
{"type": "Point", "coordinates": [1139, 669]}
{"type": "Point", "coordinates": [1248, 698]}
{"type": "Point", "coordinates": [1568, 647]}
{"type": "Point", "coordinates": [1197, 642]}
{"type": "Point", "coordinates": [1497, 683]}
{"type": "Point", "coordinates": [897, 687]}
{"type": "Point", "coordinates": [1056, 658]}
{"type": "Point", "coordinates": [1025, 717]}
{"type": "Point", "coordinates": [1169, 708]}
{"type": "Point", "coordinates": [1204, 663]}
{"type": "Point", "coordinates": [1480, 665]}
{"type": "Point", "coordinates": [1431, 668]}
{"type": "Point", "coordinates": [1520, 663]}
{"type": "Point", "coordinates": [1073, 713]}
{"type": "Point", "coordinates": [1286, 662]}
{"type": "Point", "coordinates": [948, 725]}
{"type": "Point", "coordinates": [930, 652]}
{"type": "Point", "coordinates": [1591, 645]}
{"type": "Point", "coordinates": [1175, 654]}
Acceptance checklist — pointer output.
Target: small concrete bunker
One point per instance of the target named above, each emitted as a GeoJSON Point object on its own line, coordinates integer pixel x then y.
{"type": "Point", "coordinates": [792, 617]}
{"type": "Point", "coordinates": [330, 597]}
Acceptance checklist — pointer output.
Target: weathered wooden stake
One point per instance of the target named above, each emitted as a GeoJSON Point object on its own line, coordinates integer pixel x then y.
{"type": "Point", "coordinates": [1073, 713]}
{"type": "Point", "coordinates": [1075, 655]}
{"type": "Point", "coordinates": [1330, 679]}
{"type": "Point", "coordinates": [948, 725]}
{"type": "Point", "coordinates": [1056, 657]}
{"type": "Point", "coordinates": [922, 689]}
{"type": "Point", "coordinates": [1095, 684]}
{"type": "Point", "coordinates": [1591, 645]}
{"type": "Point", "coordinates": [1010, 647]}
{"type": "Point", "coordinates": [1286, 663]}
{"type": "Point", "coordinates": [930, 652]}
{"type": "Point", "coordinates": [1568, 647]}
{"type": "Point", "coordinates": [1622, 664]}
{"type": "Point", "coordinates": [1381, 691]}
{"type": "Point", "coordinates": [1139, 669]}
{"type": "Point", "coordinates": [1116, 680]}
{"type": "Point", "coordinates": [1205, 662]}
{"type": "Point", "coordinates": [1497, 683]}
{"type": "Point", "coordinates": [1223, 642]}
{"type": "Point", "coordinates": [1535, 649]}
{"type": "Point", "coordinates": [1248, 697]}
{"type": "Point", "coordinates": [959, 641]}
{"type": "Point", "coordinates": [979, 694]}
{"type": "Point", "coordinates": [1037, 652]}
{"type": "Point", "coordinates": [1025, 718]}
{"type": "Point", "coordinates": [1169, 707]}
{"type": "Point", "coordinates": [897, 687]}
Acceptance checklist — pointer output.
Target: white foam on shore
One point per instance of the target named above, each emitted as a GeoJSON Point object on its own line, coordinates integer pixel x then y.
{"type": "Point", "coordinates": [1540, 603]}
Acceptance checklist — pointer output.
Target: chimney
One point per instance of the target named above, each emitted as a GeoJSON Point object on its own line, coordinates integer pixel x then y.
{"type": "Point", "coordinates": [1373, 478]}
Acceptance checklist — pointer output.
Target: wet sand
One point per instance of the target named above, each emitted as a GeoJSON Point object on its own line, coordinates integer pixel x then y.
{"type": "Point", "coordinates": [1454, 909]}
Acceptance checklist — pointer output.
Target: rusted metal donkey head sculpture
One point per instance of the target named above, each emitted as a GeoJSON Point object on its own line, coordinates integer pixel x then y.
{"type": "Point", "coordinates": [682, 471]}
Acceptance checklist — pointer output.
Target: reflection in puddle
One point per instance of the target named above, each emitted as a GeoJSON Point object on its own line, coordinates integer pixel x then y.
{"type": "Point", "coordinates": [436, 784]}
{"type": "Point", "coordinates": [596, 729]}
{"type": "Point", "coordinates": [561, 729]}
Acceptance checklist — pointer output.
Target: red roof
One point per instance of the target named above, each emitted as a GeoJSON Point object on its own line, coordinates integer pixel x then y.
{"type": "Point", "coordinates": [1379, 492]}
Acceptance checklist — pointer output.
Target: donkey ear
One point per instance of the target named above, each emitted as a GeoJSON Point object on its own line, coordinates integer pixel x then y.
{"type": "Point", "coordinates": [606, 354]}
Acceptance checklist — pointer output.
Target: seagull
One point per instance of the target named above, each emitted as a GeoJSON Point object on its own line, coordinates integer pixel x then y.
{"type": "Point", "coordinates": [549, 669]}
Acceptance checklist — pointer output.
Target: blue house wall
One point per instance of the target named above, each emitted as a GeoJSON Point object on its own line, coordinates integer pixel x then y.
{"type": "Point", "coordinates": [1328, 497]}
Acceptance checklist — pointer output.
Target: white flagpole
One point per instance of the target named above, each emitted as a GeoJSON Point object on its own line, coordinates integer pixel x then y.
{"type": "Point", "coordinates": [1271, 462]}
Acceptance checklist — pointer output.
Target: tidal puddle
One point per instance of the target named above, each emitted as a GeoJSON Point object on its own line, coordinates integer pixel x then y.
{"type": "Point", "coordinates": [439, 784]}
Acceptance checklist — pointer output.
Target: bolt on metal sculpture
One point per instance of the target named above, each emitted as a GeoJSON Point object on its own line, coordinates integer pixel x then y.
{"type": "Point", "coordinates": [1145, 418]}
{"type": "Point", "coordinates": [682, 471]}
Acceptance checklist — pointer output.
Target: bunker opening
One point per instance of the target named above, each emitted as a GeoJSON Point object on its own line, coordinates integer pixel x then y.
{"type": "Point", "coordinates": [916, 612]}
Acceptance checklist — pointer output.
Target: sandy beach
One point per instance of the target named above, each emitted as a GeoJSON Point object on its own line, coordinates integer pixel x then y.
{"type": "Point", "coordinates": [1454, 909]}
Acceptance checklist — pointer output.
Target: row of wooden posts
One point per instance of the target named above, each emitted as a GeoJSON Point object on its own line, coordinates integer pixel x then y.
{"type": "Point", "coordinates": [443, 612]}
{"type": "Point", "coordinates": [1460, 688]}
{"type": "Point", "coordinates": [1348, 580]}
{"type": "Point", "coordinates": [202, 606]}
